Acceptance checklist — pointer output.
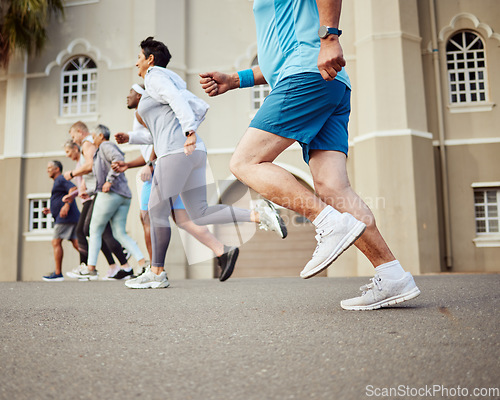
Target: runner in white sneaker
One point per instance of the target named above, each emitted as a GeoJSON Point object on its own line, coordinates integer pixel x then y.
{"type": "Point", "coordinates": [270, 220]}
{"type": "Point", "coordinates": [149, 280]}
{"type": "Point", "coordinates": [309, 103]}
{"type": "Point", "coordinates": [383, 292]}
{"type": "Point", "coordinates": [334, 233]}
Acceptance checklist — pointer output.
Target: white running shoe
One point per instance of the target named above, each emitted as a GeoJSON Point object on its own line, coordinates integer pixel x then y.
{"type": "Point", "coordinates": [84, 274]}
{"type": "Point", "coordinates": [270, 219]}
{"type": "Point", "coordinates": [333, 240]}
{"type": "Point", "coordinates": [149, 280]}
{"type": "Point", "coordinates": [75, 272]}
{"type": "Point", "coordinates": [382, 293]}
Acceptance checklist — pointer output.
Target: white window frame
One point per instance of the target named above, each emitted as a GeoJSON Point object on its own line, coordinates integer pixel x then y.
{"type": "Point", "coordinates": [467, 75]}
{"type": "Point", "coordinates": [36, 230]}
{"type": "Point", "coordinates": [259, 92]}
{"type": "Point", "coordinates": [487, 212]}
{"type": "Point", "coordinates": [81, 83]}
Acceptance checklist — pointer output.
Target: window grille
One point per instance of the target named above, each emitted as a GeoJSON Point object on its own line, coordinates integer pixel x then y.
{"type": "Point", "coordinates": [466, 64]}
{"type": "Point", "coordinates": [79, 87]}
{"type": "Point", "coordinates": [39, 222]}
{"type": "Point", "coordinates": [486, 204]}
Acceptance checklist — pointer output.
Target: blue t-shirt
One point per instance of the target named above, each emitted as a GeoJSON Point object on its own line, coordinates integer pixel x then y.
{"type": "Point", "coordinates": [287, 39]}
{"type": "Point", "coordinates": [59, 190]}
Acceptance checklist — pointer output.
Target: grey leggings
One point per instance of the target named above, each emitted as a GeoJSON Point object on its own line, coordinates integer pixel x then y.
{"type": "Point", "coordinates": [178, 174]}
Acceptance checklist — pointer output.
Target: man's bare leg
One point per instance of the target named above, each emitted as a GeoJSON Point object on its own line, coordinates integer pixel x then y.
{"type": "Point", "coordinates": [332, 185]}
{"type": "Point", "coordinates": [252, 164]}
{"type": "Point", "coordinates": [58, 254]}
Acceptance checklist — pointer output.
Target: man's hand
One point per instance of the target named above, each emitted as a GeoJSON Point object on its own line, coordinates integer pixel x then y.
{"type": "Point", "coordinates": [84, 196]}
{"type": "Point", "coordinates": [122, 137]}
{"type": "Point", "coordinates": [46, 211]}
{"type": "Point", "coordinates": [106, 187]}
{"type": "Point", "coordinates": [215, 83]}
{"type": "Point", "coordinates": [190, 144]}
{"type": "Point", "coordinates": [119, 166]}
{"type": "Point", "coordinates": [64, 211]}
{"type": "Point", "coordinates": [331, 58]}
{"type": "Point", "coordinates": [146, 173]}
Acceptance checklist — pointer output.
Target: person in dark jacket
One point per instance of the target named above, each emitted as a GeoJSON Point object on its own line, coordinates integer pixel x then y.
{"type": "Point", "coordinates": [65, 216]}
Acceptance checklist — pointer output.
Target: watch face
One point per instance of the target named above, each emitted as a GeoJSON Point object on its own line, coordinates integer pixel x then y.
{"type": "Point", "coordinates": [323, 31]}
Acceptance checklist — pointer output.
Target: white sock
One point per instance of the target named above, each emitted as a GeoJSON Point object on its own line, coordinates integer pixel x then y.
{"type": "Point", "coordinates": [324, 216]}
{"type": "Point", "coordinates": [391, 270]}
{"type": "Point", "coordinates": [128, 269]}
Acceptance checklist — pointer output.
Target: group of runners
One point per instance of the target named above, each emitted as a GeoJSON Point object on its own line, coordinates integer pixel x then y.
{"type": "Point", "coordinates": [301, 58]}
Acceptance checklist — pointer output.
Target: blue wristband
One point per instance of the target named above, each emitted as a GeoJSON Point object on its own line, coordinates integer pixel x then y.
{"type": "Point", "coordinates": [246, 78]}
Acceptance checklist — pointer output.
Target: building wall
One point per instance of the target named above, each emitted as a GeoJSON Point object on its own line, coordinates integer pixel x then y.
{"type": "Point", "coordinates": [394, 162]}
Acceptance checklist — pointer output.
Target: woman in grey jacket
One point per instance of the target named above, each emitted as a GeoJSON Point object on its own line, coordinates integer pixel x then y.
{"type": "Point", "coordinates": [112, 201]}
{"type": "Point", "coordinates": [172, 115]}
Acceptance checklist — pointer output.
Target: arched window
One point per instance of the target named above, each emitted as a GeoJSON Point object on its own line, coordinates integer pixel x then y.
{"type": "Point", "coordinates": [466, 62]}
{"type": "Point", "coordinates": [79, 87]}
{"type": "Point", "coordinates": [259, 92]}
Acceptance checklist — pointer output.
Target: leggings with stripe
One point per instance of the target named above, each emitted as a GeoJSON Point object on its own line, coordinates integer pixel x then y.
{"type": "Point", "coordinates": [180, 175]}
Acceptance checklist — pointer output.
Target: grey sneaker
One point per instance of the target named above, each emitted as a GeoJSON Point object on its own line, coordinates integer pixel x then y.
{"type": "Point", "coordinates": [149, 280]}
{"type": "Point", "coordinates": [382, 293]}
{"type": "Point", "coordinates": [270, 219]}
{"type": "Point", "coordinates": [341, 233]}
{"type": "Point", "coordinates": [84, 274]}
{"type": "Point", "coordinates": [75, 272]}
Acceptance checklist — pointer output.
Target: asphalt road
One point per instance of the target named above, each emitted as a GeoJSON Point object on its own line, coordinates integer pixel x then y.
{"type": "Point", "coordinates": [281, 338]}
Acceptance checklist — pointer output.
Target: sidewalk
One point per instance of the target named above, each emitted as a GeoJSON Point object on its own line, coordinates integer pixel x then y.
{"type": "Point", "coordinates": [281, 338]}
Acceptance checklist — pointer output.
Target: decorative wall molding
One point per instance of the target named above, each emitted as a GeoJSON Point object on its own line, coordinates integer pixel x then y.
{"type": "Point", "coordinates": [391, 133]}
{"type": "Point", "coordinates": [485, 29]}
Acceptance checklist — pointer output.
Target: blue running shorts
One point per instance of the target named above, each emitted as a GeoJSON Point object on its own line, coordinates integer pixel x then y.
{"type": "Point", "coordinates": [146, 192]}
{"type": "Point", "coordinates": [310, 110]}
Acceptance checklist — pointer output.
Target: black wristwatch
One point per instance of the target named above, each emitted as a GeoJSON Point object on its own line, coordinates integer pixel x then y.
{"type": "Point", "coordinates": [324, 31]}
{"type": "Point", "coordinates": [71, 174]}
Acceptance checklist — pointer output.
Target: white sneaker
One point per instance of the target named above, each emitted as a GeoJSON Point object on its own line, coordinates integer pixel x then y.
{"type": "Point", "coordinates": [333, 240]}
{"type": "Point", "coordinates": [382, 293]}
{"type": "Point", "coordinates": [84, 274]}
{"type": "Point", "coordinates": [75, 272]}
{"type": "Point", "coordinates": [270, 220]}
{"type": "Point", "coordinates": [149, 280]}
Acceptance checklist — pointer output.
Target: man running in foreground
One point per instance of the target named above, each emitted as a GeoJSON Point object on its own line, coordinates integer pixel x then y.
{"type": "Point", "coordinates": [301, 58]}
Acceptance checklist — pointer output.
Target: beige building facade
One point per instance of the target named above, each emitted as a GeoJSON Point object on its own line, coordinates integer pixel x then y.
{"type": "Point", "coordinates": [424, 128]}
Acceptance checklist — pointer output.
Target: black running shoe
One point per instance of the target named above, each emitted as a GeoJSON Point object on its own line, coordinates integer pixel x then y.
{"type": "Point", "coordinates": [122, 274]}
{"type": "Point", "coordinates": [227, 262]}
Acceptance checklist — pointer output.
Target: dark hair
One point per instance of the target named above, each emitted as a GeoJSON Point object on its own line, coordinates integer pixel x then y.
{"type": "Point", "coordinates": [58, 165]}
{"type": "Point", "coordinates": [104, 130]}
{"type": "Point", "coordinates": [158, 50]}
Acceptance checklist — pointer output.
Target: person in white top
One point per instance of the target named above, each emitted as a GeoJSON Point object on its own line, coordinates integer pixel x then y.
{"type": "Point", "coordinates": [172, 115]}
{"type": "Point", "coordinates": [140, 135]}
